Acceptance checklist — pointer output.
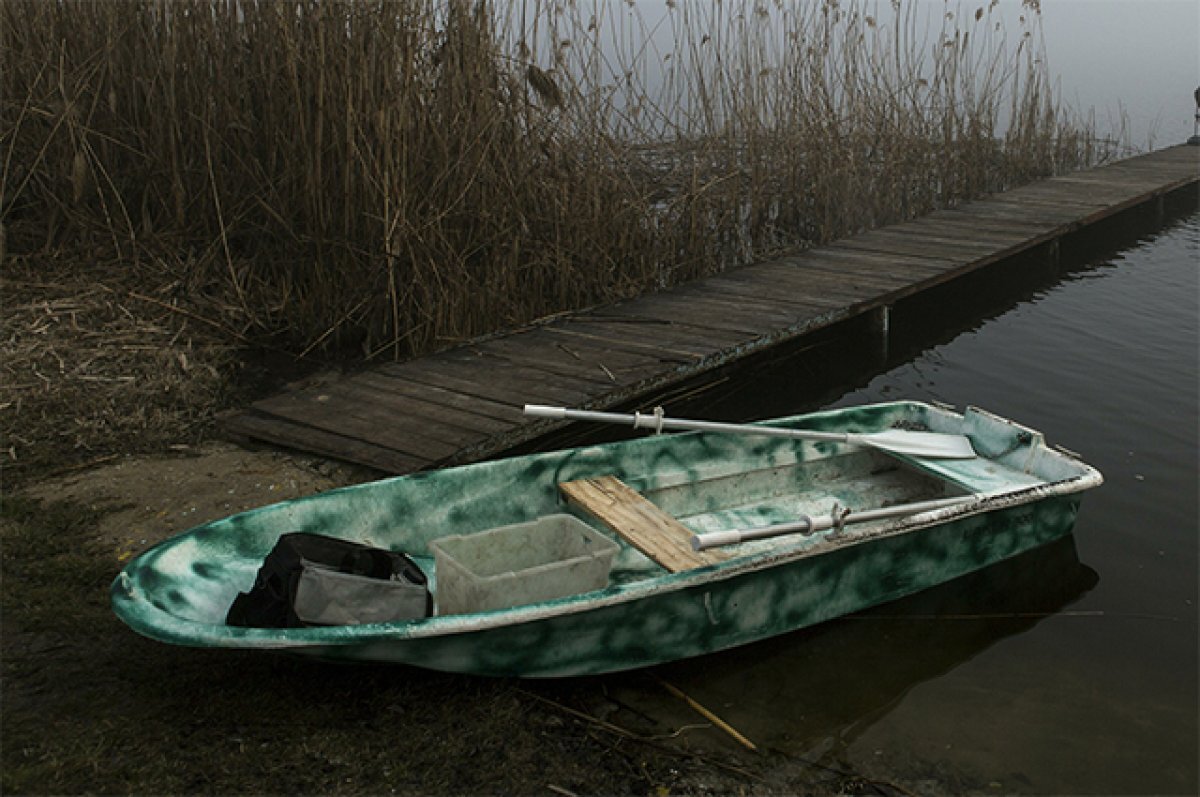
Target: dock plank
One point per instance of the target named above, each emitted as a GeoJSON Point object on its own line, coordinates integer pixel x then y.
{"type": "Point", "coordinates": [728, 296]}
{"type": "Point", "coordinates": [700, 315]}
{"type": "Point", "coordinates": [676, 338]}
{"type": "Point", "coordinates": [809, 287]}
{"type": "Point", "coordinates": [918, 267]}
{"type": "Point", "coordinates": [785, 294]}
{"type": "Point", "coordinates": [718, 336]}
{"type": "Point", "coordinates": [863, 278]}
{"type": "Point", "coordinates": [664, 351]}
{"type": "Point", "coordinates": [900, 242]}
{"type": "Point", "coordinates": [549, 357]}
{"type": "Point", "coordinates": [285, 433]}
{"type": "Point", "coordinates": [506, 382]}
{"type": "Point", "coordinates": [365, 422]}
{"type": "Point", "coordinates": [471, 410]}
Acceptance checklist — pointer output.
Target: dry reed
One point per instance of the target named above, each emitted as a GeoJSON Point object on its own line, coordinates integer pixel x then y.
{"type": "Point", "coordinates": [396, 175]}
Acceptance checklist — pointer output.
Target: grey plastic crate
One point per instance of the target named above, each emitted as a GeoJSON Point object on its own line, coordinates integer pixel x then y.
{"type": "Point", "coordinates": [551, 557]}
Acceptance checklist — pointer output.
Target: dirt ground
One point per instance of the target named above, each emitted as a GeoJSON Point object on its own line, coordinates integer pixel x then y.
{"type": "Point", "coordinates": [141, 500]}
{"type": "Point", "coordinates": [109, 391]}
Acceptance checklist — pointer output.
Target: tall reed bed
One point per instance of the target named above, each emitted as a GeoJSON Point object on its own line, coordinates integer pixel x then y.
{"type": "Point", "coordinates": [396, 175]}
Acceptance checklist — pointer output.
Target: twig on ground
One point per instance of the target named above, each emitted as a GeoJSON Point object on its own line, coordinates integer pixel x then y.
{"type": "Point", "coordinates": [708, 715]}
{"type": "Point", "coordinates": [618, 730]}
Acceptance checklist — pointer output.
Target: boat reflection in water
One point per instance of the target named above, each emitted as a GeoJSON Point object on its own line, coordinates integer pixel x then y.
{"type": "Point", "coordinates": [801, 692]}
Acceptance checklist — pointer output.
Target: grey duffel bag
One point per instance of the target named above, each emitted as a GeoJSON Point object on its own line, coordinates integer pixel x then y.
{"type": "Point", "coordinates": [311, 579]}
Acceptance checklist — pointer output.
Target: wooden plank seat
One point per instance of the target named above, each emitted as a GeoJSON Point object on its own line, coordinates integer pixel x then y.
{"type": "Point", "coordinates": [646, 527]}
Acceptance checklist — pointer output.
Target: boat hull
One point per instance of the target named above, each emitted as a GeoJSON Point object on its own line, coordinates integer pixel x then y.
{"type": "Point", "coordinates": [722, 613]}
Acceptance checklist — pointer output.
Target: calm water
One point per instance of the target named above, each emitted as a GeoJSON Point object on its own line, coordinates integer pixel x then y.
{"type": "Point", "coordinates": [1073, 669]}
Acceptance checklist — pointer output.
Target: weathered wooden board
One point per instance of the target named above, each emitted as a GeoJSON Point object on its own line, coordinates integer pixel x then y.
{"type": "Point", "coordinates": [724, 291]}
{"type": "Point", "coordinates": [535, 352]}
{"type": "Point", "coordinates": [508, 384]}
{"type": "Point", "coordinates": [795, 291]}
{"type": "Point", "coordinates": [612, 339]}
{"type": "Point", "coordinates": [902, 242]}
{"type": "Point", "coordinates": [646, 527]}
{"type": "Point", "coordinates": [473, 412]}
{"type": "Point", "coordinates": [815, 290]}
{"type": "Point", "coordinates": [359, 417]}
{"type": "Point", "coordinates": [979, 230]}
{"type": "Point", "coordinates": [988, 211]}
{"type": "Point", "coordinates": [700, 314]}
{"type": "Point", "coordinates": [286, 433]}
{"type": "Point", "coordinates": [464, 403]}
{"type": "Point", "coordinates": [916, 266]}
{"type": "Point", "coordinates": [676, 337]}
{"type": "Point", "coordinates": [860, 278]}
{"type": "Point", "coordinates": [717, 336]}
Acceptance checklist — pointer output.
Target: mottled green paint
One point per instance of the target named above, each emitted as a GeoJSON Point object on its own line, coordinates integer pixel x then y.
{"type": "Point", "coordinates": [179, 591]}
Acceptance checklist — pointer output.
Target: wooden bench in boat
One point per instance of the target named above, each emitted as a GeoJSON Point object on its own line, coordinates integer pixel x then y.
{"type": "Point", "coordinates": [646, 527]}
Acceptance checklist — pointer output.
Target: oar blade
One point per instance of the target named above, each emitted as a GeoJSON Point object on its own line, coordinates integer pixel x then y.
{"type": "Point", "coordinates": [934, 445]}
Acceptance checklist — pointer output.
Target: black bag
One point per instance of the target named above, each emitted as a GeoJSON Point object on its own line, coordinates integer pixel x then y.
{"type": "Point", "coordinates": [309, 579]}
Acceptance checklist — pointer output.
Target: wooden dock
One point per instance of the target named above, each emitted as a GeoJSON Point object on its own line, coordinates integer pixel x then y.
{"type": "Point", "coordinates": [464, 404]}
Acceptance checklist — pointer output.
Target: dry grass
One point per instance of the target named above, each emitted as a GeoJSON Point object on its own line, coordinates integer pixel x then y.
{"type": "Point", "coordinates": [90, 366]}
{"type": "Point", "coordinates": [402, 174]}
{"type": "Point", "coordinates": [368, 173]}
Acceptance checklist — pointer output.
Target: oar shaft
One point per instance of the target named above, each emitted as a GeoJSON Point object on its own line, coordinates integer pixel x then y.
{"type": "Point", "coordinates": [895, 441]}
{"type": "Point", "coordinates": [810, 525]}
{"type": "Point", "coordinates": [658, 422]}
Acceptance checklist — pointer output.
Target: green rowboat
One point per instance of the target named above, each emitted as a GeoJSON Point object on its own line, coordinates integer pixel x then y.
{"type": "Point", "coordinates": [659, 595]}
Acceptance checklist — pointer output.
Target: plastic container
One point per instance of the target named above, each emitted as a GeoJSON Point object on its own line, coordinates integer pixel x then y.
{"type": "Point", "coordinates": [551, 557]}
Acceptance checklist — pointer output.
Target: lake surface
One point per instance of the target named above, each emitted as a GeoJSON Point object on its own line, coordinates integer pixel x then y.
{"type": "Point", "coordinates": [1074, 668]}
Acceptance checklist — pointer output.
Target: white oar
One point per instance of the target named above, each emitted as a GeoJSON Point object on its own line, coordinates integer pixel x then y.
{"type": "Point", "coordinates": [838, 517]}
{"type": "Point", "coordinates": [918, 444]}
